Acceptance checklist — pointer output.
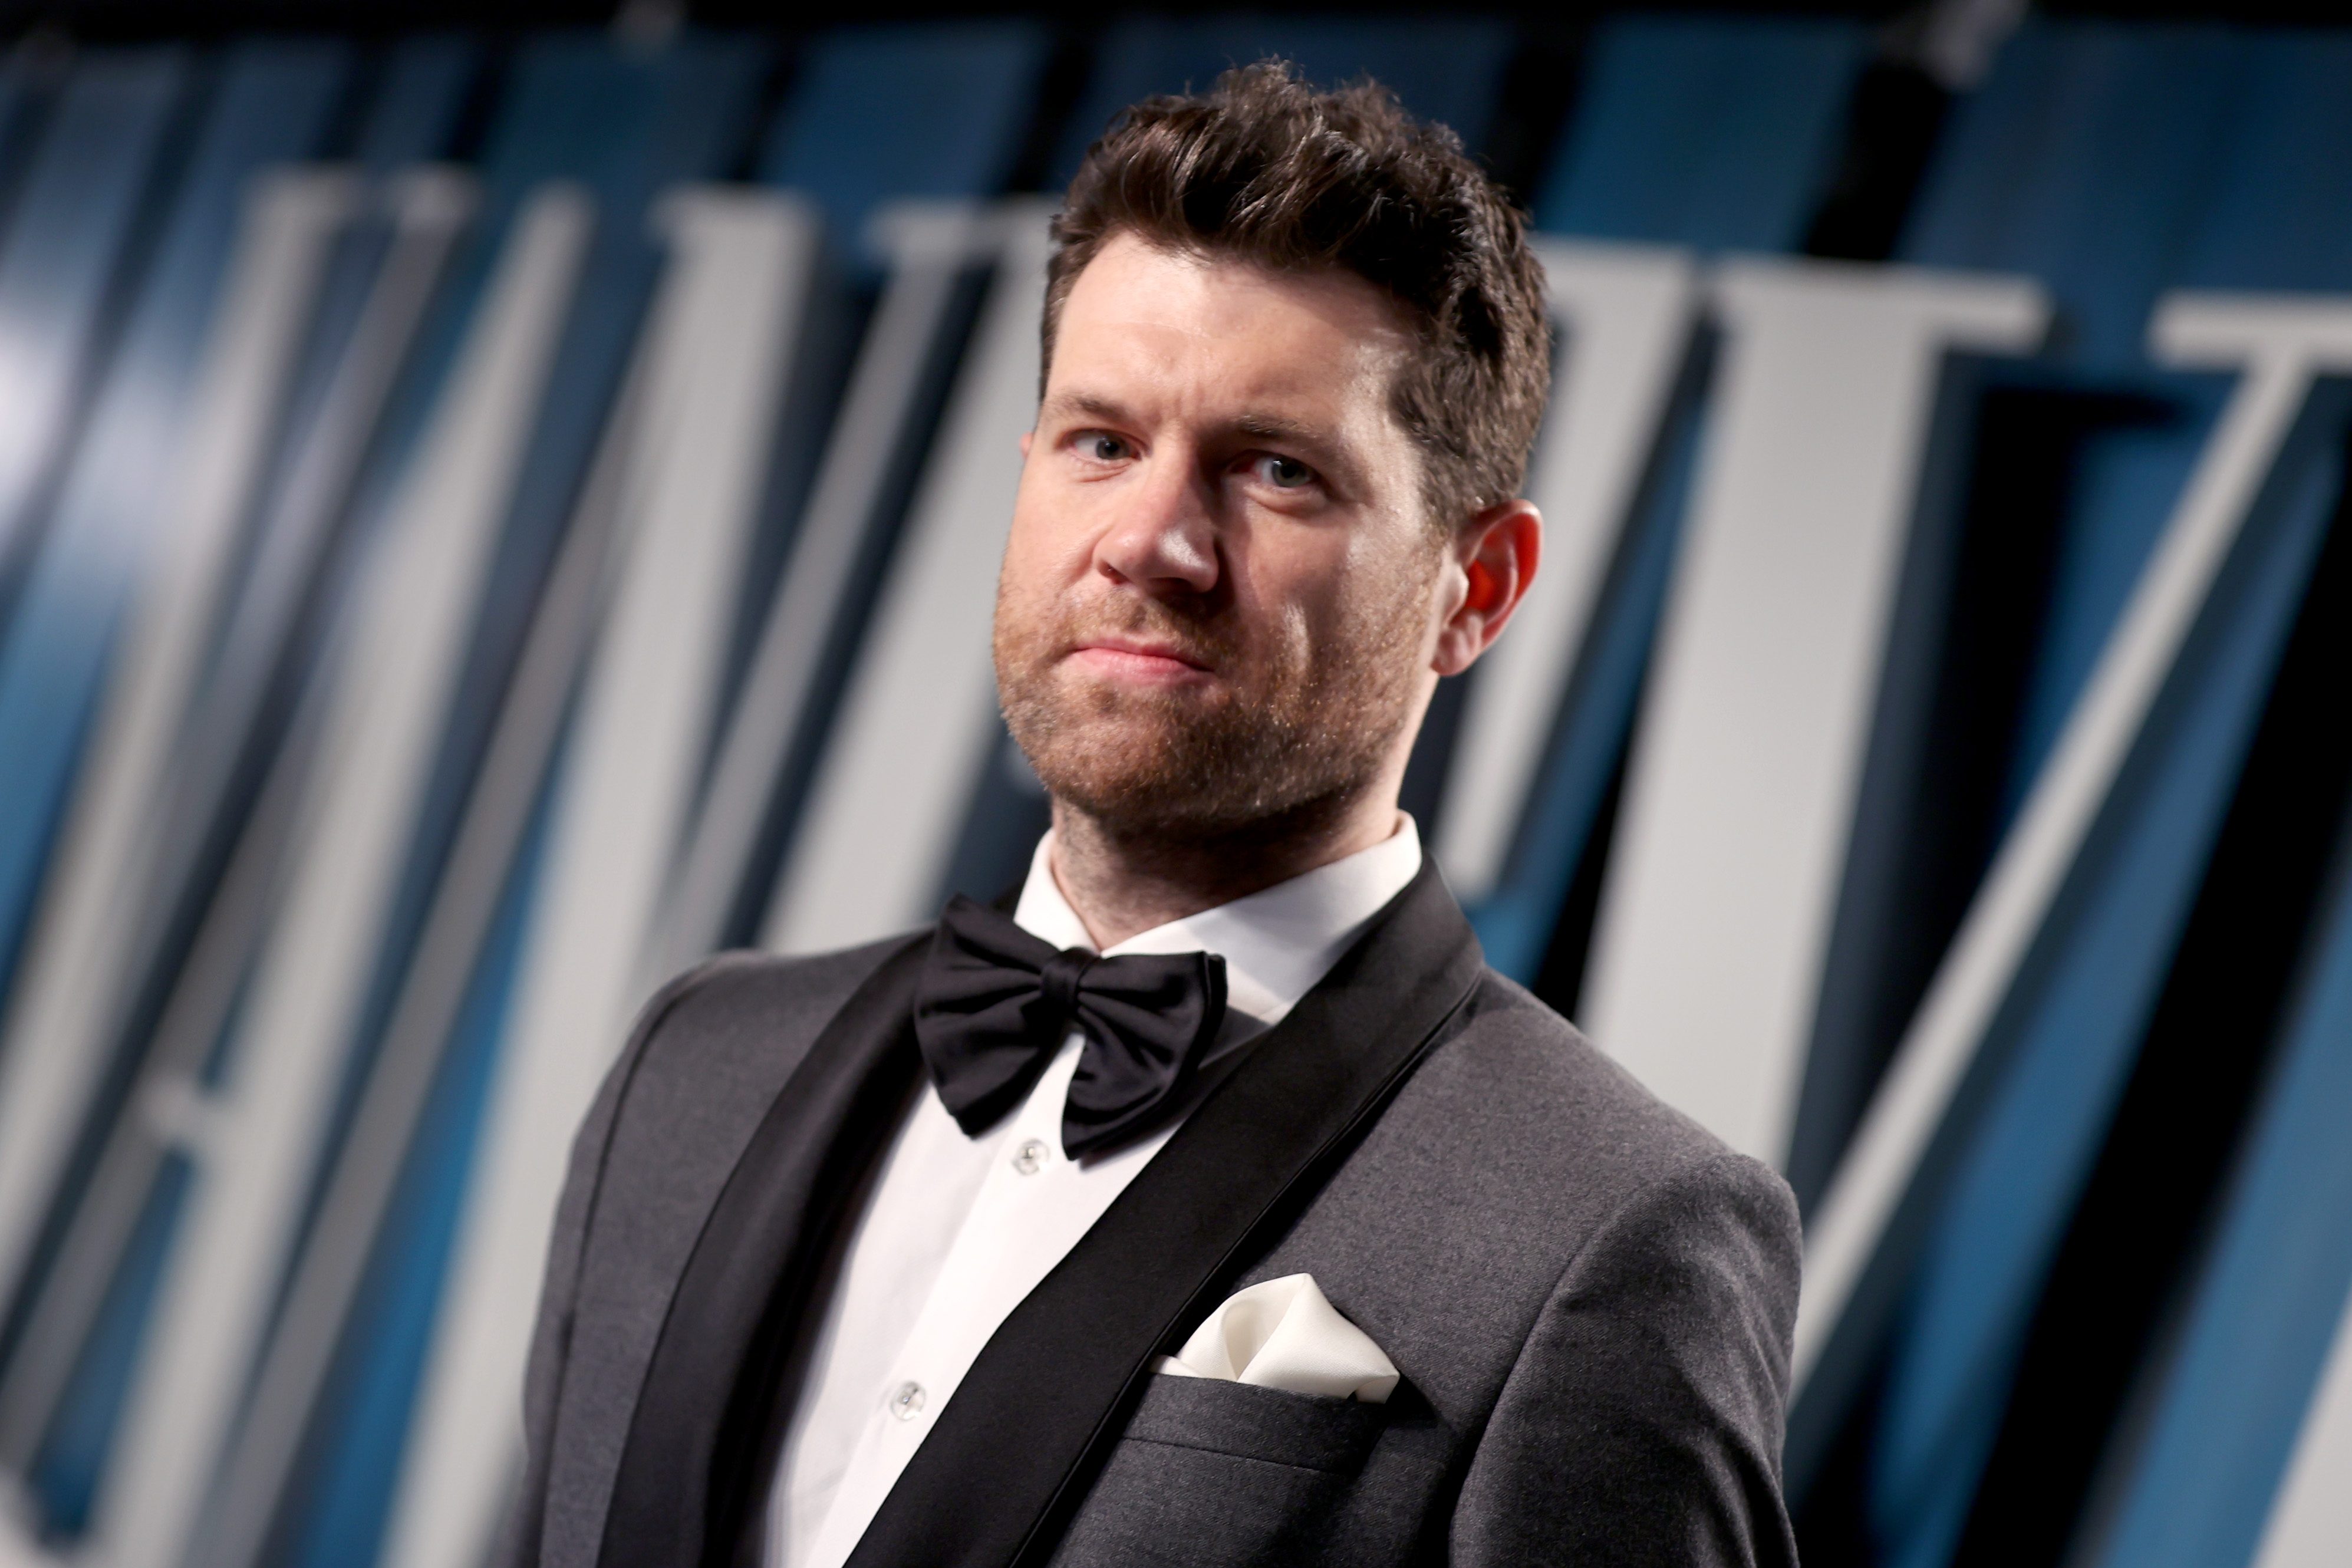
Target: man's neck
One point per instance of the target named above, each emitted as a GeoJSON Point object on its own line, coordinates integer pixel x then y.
{"type": "Point", "coordinates": [1121, 884]}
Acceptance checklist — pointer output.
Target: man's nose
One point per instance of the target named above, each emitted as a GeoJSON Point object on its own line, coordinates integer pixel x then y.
{"type": "Point", "coordinates": [1164, 538]}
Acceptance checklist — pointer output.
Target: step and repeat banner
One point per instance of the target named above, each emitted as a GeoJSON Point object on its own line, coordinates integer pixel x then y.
{"type": "Point", "coordinates": [486, 522]}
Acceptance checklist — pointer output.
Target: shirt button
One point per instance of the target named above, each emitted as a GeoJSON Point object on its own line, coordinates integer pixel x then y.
{"type": "Point", "coordinates": [907, 1400]}
{"type": "Point", "coordinates": [1031, 1156]}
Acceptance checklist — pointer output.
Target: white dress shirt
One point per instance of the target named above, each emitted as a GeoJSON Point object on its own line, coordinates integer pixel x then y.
{"type": "Point", "coordinates": [958, 1230]}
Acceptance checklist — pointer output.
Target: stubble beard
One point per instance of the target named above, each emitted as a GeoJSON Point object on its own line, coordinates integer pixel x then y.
{"type": "Point", "coordinates": [1288, 737]}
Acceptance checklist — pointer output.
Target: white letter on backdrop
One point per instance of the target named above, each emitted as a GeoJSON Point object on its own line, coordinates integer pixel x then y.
{"type": "Point", "coordinates": [260, 1134]}
{"type": "Point", "coordinates": [1716, 912]}
{"type": "Point", "coordinates": [2279, 345]}
{"type": "Point", "coordinates": [718, 342]}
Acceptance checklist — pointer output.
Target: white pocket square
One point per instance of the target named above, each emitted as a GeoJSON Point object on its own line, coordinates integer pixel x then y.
{"type": "Point", "coordinates": [1283, 1334]}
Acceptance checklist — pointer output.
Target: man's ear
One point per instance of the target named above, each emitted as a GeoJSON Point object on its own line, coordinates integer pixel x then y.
{"type": "Point", "coordinates": [1496, 554]}
{"type": "Point", "coordinates": [1026, 437]}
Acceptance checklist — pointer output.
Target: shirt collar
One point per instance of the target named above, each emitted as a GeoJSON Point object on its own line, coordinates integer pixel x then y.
{"type": "Point", "coordinates": [1276, 942]}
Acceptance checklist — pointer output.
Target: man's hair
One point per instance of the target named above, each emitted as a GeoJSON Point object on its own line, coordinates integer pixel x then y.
{"type": "Point", "coordinates": [1264, 168]}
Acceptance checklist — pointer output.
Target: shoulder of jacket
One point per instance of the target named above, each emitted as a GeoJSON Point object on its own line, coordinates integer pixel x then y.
{"type": "Point", "coordinates": [1519, 1045]}
{"type": "Point", "coordinates": [1649, 1170]}
{"type": "Point", "coordinates": [746, 992]}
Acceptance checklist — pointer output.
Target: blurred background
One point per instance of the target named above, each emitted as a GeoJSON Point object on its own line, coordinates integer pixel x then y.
{"type": "Point", "coordinates": [498, 501]}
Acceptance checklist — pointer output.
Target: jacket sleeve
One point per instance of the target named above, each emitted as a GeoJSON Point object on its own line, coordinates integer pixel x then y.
{"type": "Point", "coordinates": [1642, 1423]}
{"type": "Point", "coordinates": [542, 1389]}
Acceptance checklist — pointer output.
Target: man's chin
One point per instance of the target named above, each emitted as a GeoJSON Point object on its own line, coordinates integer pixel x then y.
{"type": "Point", "coordinates": [1111, 758]}
{"type": "Point", "coordinates": [1137, 741]}
{"type": "Point", "coordinates": [1149, 770]}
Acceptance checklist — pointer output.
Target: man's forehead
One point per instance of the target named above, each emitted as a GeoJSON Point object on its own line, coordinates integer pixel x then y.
{"type": "Point", "coordinates": [1286, 345]}
{"type": "Point", "coordinates": [1134, 285]}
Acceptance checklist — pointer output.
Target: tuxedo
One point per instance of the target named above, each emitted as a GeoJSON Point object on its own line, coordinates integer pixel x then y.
{"type": "Point", "coordinates": [1587, 1301]}
{"type": "Point", "coordinates": [969, 1211]}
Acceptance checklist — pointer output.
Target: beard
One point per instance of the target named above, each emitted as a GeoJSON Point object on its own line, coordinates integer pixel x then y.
{"type": "Point", "coordinates": [1293, 725]}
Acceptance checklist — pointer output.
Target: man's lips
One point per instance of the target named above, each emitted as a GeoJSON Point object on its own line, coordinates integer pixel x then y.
{"type": "Point", "coordinates": [1138, 659]}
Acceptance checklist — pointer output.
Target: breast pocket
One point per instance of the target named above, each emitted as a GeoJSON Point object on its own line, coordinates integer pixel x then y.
{"type": "Point", "coordinates": [1216, 1475]}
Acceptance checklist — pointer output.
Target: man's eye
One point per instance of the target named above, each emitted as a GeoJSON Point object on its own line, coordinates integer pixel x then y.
{"type": "Point", "coordinates": [1284, 473]}
{"type": "Point", "coordinates": [1104, 448]}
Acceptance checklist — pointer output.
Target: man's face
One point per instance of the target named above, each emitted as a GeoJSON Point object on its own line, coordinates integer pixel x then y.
{"type": "Point", "coordinates": [1217, 605]}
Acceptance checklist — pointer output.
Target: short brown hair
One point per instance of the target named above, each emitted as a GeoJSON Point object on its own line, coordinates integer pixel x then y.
{"type": "Point", "coordinates": [1266, 168]}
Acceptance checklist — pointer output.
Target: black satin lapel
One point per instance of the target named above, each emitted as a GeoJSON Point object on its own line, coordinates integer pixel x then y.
{"type": "Point", "coordinates": [684, 1478]}
{"type": "Point", "coordinates": [1035, 1418]}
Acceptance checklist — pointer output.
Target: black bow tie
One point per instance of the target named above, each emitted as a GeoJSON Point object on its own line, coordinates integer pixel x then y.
{"type": "Point", "coordinates": [996, 1003]}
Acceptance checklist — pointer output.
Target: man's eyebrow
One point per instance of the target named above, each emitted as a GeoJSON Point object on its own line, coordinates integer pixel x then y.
{"type": "Point", "coordinates": [1276, 427]}
{"type": "Point", "coordinates": [1087, 403]}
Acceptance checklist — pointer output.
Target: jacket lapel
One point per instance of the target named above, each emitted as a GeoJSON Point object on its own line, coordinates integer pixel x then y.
{"type": "Point", "coordinates": [688, 1467]}
{"type": "Point", "coordinates": [1064, 1368]}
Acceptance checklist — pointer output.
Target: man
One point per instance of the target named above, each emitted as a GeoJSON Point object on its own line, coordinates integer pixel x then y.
{"type": "Point", "coordinates": [1213, 1203]}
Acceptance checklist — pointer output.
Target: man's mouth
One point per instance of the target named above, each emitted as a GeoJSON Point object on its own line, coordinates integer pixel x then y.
{"type": "Point", "coordinates": [1138, 659]}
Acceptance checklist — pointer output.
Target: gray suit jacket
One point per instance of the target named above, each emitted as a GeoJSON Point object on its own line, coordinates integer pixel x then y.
{"type": "Point", "coordinates": [1589, 1299]}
